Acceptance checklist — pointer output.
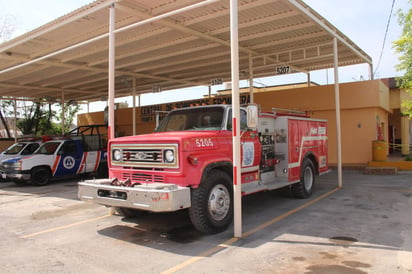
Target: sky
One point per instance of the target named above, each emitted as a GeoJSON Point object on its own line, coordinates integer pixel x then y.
{"type": "Point", "coordinates": [363, 21]}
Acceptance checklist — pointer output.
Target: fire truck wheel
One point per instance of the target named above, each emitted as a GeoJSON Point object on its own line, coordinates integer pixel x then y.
{"type": "Point", "coordinates": [304, 188]}
{"type": "Point", "coordinates": [128, 212]}
{"type": "Point", "coordinates": [212, 205]}
{"type": "Point", "coordinates": [40, 176]}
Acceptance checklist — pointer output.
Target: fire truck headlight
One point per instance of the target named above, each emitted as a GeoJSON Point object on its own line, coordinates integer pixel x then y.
{"type": "Point", "coordinates": [117, 154]}
{"type": "Point", "coordinates": [169, 156]}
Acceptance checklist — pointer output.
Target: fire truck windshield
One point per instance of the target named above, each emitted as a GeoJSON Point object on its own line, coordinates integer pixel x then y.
{"type": "Point", "coordinates": [202, 118]}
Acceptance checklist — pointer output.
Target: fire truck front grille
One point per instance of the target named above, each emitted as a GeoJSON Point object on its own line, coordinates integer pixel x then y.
{"type": "Point", "coordinates": [143, 178]}
{"type": "Point", "coordinates": [144, 156]}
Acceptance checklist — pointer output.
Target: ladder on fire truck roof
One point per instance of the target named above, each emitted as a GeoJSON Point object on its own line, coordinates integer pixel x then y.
{"type": "Point", "coordinates": [292, 112]}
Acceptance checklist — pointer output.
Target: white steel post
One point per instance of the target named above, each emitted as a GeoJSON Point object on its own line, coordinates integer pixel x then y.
{"type": "Point", "coordinates": [112, 21]}
{"type": "Point", "coordinates": [63, 110]}
{"type": "Point", "coordinates": [371, 76]}
{"type": "Point", "coordinates": [15, 120]}
{"type": "Point", "coordinates": [337, 108]}
{"type": "Point", "coordinates": [237, 189]}
{"type": "Point", "coordinates": [251, 79]}
{"type": "Point", "coordinates": [134, 105]}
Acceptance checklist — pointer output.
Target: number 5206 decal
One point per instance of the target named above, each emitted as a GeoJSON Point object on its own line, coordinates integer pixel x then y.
{"type": "Point", "coordinates": [204, 142]}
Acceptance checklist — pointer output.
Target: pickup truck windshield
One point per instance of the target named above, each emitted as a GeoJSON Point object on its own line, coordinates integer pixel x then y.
{"type": "Point", "coordinates": [208, 118]}
{"type": "Point", "coordinates": [14, 149]}
{"type": "Point", "coordinates": [48, 148]}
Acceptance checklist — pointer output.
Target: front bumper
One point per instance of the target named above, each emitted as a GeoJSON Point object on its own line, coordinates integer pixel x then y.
{"type": "Point", "coordinates": [155, 197]}
{"type": "Point", "coordinates": [16, 175]}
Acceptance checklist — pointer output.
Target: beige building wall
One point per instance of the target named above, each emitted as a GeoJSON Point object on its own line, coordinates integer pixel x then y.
{"type": "Point", "coordinates": [364, 114]}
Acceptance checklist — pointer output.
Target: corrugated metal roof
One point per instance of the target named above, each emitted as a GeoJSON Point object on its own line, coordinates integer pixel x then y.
{"type": "Point", "coordinates": [186, 49]}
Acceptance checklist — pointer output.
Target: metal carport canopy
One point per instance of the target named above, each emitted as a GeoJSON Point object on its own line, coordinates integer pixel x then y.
{"type": "Point", "coordinates": [189, 48]}
{"type": "Point", "coordinates": [164, 45]}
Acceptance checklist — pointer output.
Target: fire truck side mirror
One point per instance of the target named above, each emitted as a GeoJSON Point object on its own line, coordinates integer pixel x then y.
{"type": "Point", "coordinates": [252, 116]}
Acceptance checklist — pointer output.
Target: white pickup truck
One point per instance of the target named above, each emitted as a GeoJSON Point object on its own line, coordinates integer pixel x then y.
{"type": "Point", "coordinates": [21, 148]}
{"type": "Point", "coordinates": [83, 151]}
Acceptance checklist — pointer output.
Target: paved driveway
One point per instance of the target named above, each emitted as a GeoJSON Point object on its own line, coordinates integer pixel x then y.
{"type": "Point", "coordinates": [366, 227]}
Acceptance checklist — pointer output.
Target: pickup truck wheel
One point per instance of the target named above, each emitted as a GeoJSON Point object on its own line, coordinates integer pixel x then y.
{"type": "Point", "coordinates": [128, 212]}
{"type": "Point", "coordinates": [102, 171]}
{"type": "Point", "coordinates": [212, 204]}
{"type": "Point", "coordinates": [40, 176]}
{"type": "Point", "coordinates": [304, 188]}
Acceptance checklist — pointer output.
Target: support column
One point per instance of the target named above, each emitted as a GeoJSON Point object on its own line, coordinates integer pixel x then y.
{"type": "Point", "coordinates": [63, 110]}
{"type": "Point", "coordinates": [112, 21]}
{"type": "Point", "coordinates": [237, 188]}
{"type": "Point", "coordinates": [134, 105]}
{"type": "Point", "coordinates": [405, 135]}
{"type": "Point", "coordinates": [337, 109]}
{"type": "Point", "coordinates": [371, 72]}
{"type": "Point", "coordinates": [252, 99]}
{"type": "Point", "coordinates": [15, 120]}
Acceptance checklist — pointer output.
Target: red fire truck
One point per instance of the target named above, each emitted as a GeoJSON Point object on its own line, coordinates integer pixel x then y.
{"type": "Point", "coordinates": [187, 163]}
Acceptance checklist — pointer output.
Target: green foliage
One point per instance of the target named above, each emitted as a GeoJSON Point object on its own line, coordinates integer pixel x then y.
{"type": "Point", "coordinates": [41, 117]}
{"type": "Point", "coordinates": [70, 111]}
{"type": "Point", "coordinates": [403, 47]}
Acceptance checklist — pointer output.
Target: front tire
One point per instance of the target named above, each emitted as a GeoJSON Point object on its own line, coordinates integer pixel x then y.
{"type": "Point", "coordinates": [40, 176]}
{"type": "Point", "coordinates": [212, 204]}
{"type": "Point", "coordinates": [304, 188]}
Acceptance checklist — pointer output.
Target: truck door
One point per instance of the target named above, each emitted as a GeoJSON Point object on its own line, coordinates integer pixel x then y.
{"type": "Point", "coordinates": [92, 155]}
{"type": "Point", "coordinates": [250, 145]}
{"type": "Point", "coordinates": [70, 154]}
{"type": "Point", "coordinates": [92, 160]}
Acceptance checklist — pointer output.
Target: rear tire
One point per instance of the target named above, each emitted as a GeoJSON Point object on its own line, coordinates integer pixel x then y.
{"type": "Point", "coordinates": [102, 171]}
{"type": "Point", "coordinates": [40, 176]}
{"type": "Point", "coordinates": [304, 188]}
{"type": "Point", "coordinates": [212, 204]}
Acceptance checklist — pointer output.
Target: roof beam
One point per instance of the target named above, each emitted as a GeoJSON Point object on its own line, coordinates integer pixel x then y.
{"type": "Point", "coordinates": [95, 6]}
{"type": "Point", "coordinates": [328, 28]}
{"type": "Point", "coordinates": [163, 30]}
{"type": "Point", "coordinates": [98, 70]}
{"type": "Point", "coordinates": [209, 37]}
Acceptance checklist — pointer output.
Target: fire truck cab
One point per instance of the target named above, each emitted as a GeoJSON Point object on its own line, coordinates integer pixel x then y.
{"type": "Point", "coordinates": [187, 163]}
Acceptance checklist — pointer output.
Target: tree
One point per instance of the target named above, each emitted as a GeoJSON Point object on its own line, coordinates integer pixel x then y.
{"type": "Point", "coordinates": [6, 29]}
{"type": "Point", "coordinates": [41, 116]}
{"type": "Point", "coordinates": [403, 46]}
{"type": "Point", "coordinates": [70, 110]}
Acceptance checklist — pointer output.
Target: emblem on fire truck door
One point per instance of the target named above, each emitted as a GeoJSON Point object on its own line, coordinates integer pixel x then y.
{"type": "Point", "coordinates": [68, 162]}
{"type": "Point", "coordinates": [248, 154]}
